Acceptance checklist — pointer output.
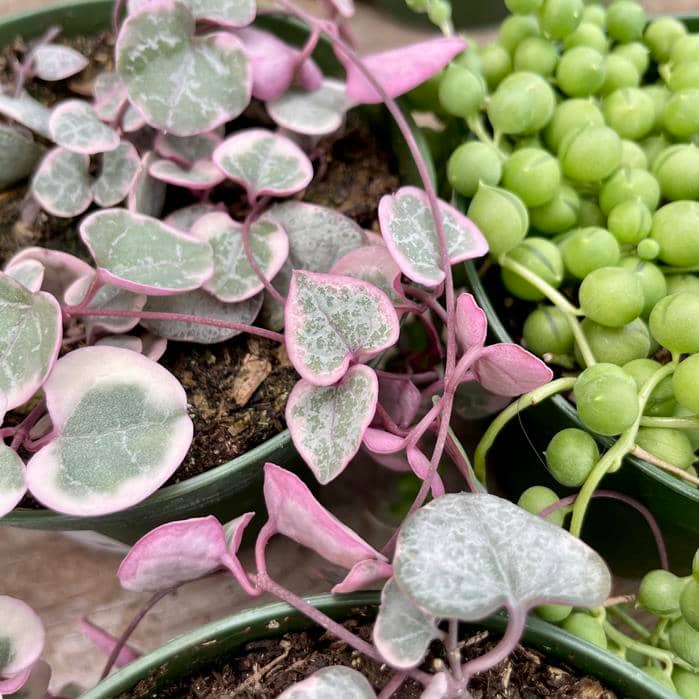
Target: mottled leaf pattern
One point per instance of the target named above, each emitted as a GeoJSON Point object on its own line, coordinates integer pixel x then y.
{"type": "Point", "coordinates": [28, 272]}
{"type": "Point", "coordinates": [230, 13]}
{"type": "Point", "coordinates": [19, 155]}
{"type": "Point", "coordinates": [110, 95]}
{"type": "Point", "coordinates": [62, 183]}
{"type": "Point", "coordinates": [313, 113]}
{"type": "Point", "coordinates": [327, 422]}
{"type": "Point", "coordinates": [75, 126]}
{"type": "Point", "coordinates": [122, 427]}
{"type": "Point", "coordinates": [27, 111]}
{"type": "Point", "coordinates": [22, 636]}
{"type": "Point", "coordinates": [188, 149]}
{"type": "Point", "coordinates": [203, 174]}
{"type": "Point", "coordinates": [373, 264]}
{"type": "Point", "coordinates": [464, 556]}
{"type": "Point", "coordinates": [119, 169]}
{"type": "Point", "coordinates": [186, 217]}
{"type": "Point", "coordinates": [147, 195]}
{"type": "Point", "coordinates": [57, 62]}
{"type": "Point", "coordinates": [12, 486]}
{"type": "Point", "coordinates": [334, 682]}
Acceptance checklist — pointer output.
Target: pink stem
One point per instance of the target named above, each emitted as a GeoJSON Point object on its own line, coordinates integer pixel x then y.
{"type": "Point", "coordinates": [464, 467]}
{"type": "Point", "coordinates": [266, 533]}
{"type": "Point", "coordinates": [6, 432]}
{"type": "Point", "coordinates": [424, 377]}
{"type": "Point", "coordinates": [428, 300]}
{"type": "Point", "coordinates": [393, 685]}
{"type": "Point", "coordinates": [24, 427]}
{"type": "Point", "coordinates": [308, 48]}
{"type": "Point", "coordinates": [388, 422]}
{"type": "Point", "coordinates": [35, 445]}
{"type": "Point", "coordinates": [238, 572]}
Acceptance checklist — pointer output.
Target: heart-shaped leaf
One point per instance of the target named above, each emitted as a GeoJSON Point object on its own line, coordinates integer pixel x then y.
{"type": "Point", "coordinates": [362, 575]}
{"type": "Point", "coordinates": [509, 370]}
{"type": "Point", "coordinates": [402, 632]}
{"type": "Point", "coordinates": [400, 70]}
{"type": "Point", "coordinates": [327, 423]}
{"type": "Point", "coordinates": [147, 195]}
{"type": "Point", "coordinates": [331, 321]}
{"type": "Point", "coordinates": [172, 554]}
{"type": "Point", "coordinates": [234, 279]}
{"type": "Point", "coordinates": [21, 637]}
{"type": "Point", "coordinates": [75, 126]}
{"type": "Point", "coordinates": [110, 95]}
{"type": "Point", "coordinates": [106, 642]}
{"type": "Point", "coordinates": [187, 150]}
{"type": "Point", "coordinates": [181, 83]}
{"type": "Point", "coordinates": [19, 155]}
{"type": "Point", "coordinates": [318, 236]}
{"type": "Point", "coordinates": [56, 62]}
{"type": "Point", "coordinates": [27, 111]}
{"type": "Point", "coordinates": [185, 218]}
{"type": "Point", "coordinates": [30, 337]}
{"type": "Point", "coordinates": [400, 398]}
{"type": "Point", "coordinates": [335, 681]}
{"type": "Point", "coordinates": [12, 485]}
{"type": "Point", "coordinates": [202, 174]}
{"type": "Point", "coordinates": [313, 113]}
{"type": "Point", "coordinates": [116, 178]}
{"type": "Point", "coordinates": [228, 13]}
{"type": "Point", "coordinates": [264, 163]}
{"type": "Point", "coordinates": [199, 303]}
{"type": "Point", "coordinates": [464, 556]}
{"type": "Point", "coordinates": [408, 228]}
{"type": "Point", "coordinates": [142, 254]}
{"type": "Point", "coordinates": [29, 273]}
{"type": "Point", "coordinates": [471, 323]}
{"type": "Point", "coordinates": [295, 513]}
{"type": "Point", "coordinates": [62, 183]}
{"type": "Point", "coordinates": [122, 429]}
{"type": "Point", "coordinates": [132, 120]}
{"type": "Point", "coordinates": [381, 442]}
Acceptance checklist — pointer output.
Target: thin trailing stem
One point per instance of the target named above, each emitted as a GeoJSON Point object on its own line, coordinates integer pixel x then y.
{"type": "Point", "coordinates": [393, 685]}
{"type": "Point", "coordinates": [664, 465]}
{"type": "Point", "coordinates": [690, 422]}
{"type": "Point", "coordinates": [451, 643]}
{"type": "Point", "coordinates": [458, 455]}
{"type": "Point", "coordinates": [22, 430]}
{"type": "Point", "coordinates": [629, 621]}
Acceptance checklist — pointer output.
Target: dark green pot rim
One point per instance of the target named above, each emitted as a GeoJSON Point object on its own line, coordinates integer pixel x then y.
{"type": "Point", "coordinates": [253, 624]}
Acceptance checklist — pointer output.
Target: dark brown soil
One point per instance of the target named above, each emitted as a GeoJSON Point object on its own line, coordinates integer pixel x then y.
{"type": "Point", "coordinates": [265, 668]}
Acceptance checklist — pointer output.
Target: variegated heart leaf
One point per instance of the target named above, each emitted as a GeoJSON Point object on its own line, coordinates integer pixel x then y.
{"type": "Point", "coordinates": [185, 218]}
{"type": "Point", "coordinates": [181, 83]}
{"type": "Point", "coordinates": [110, 96]}
{"type": "Point", "coordinates": [12, 485]}
{"type": "Point", "coordinates": [28, 272]}
{"type": "Point", "coordinates": [27, 111]}
{"type": "Point", "coordinates": [117, 175]}
{"type": "Point", "coordinates": [188, 149]}
{"type": "Point", "coordinates": [22, 636]}
{"type": "Point", "coordinates": [132, 120]}
{"type": "Point", "coordinates": [19, 155]}
{"type": "Point", "coordinates": [327, 423]}
{"type": "Point", "coordinates": [121, 431]}
{"type": "Point", "coordinates": [147, 195]}
{"type": "Point", "coordinates": [409, 230]}
{"type": "Point", "coordinates": [75, 126]}
{"type": "Point", "coordinates": [57, 62]}
{"type": "Point", "coordinates": [62, 184]}
{"type": "Point", "coordinates": [332, 321]}
{"type": "Point", "coordinates": [228, 13]}
{"type": "Point", "coordinates": [234, 279]}
{"type": "Point", "coordinates": [331, 683]}
{"type": "Point", "coordinates": [202, 174]}
{"type": "Point", "coordinates": [315, 113]}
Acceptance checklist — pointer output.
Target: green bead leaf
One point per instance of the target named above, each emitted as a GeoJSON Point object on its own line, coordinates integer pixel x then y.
{"type": "Point", "coordinates": [56, 62]}
{"type": "Point", "coordinates": [234, 279]}
{"type": "Point", "coordinates": [408, 228]}
{"type": "Point", "coordinates": [402, 632]}
{"type": "Point", "coordinates": [327, 423]}
{"type": "Point", "coordinates": [122, 429]}
{"type": "Point", "coordinates": [181, 83]}
{"type": "Point", "coordinates": [75, 126]}
{"type": "Point", "coordinates": [331, 321]}
{"type": "Point", "coordinates": [464, 556]}
{"type": "Point", "coordinates": [142, 254]}
{"type": "Point", "coordinates": [19, 155]}
{"type": "Point", "coordinates": [12, 485]}
{"type": "Point", "coordinates": [117, 176]}
{"type": "Point", "coordinates": [27, 111]}
{"type": "Point", "coordinates": [264, 163]}
{"type": "Point", "coordinates": [62, 184]}
{"type": "Point", "coordinates": [22, 636]}
{"type": "Point", "coordinates": [147, 195]}
{"type": "Point", "coordinates": [334, 682]}
{"type": "Point", "coordinates": [30, 337]}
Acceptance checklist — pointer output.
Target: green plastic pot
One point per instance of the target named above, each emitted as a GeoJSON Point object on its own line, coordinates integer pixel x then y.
{"type": "Point", "coordinates": [236, 486]}
{"type": "Point", "coordinates": [195, 650]}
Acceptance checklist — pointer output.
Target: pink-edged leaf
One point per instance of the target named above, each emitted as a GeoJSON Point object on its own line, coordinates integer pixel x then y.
{"type": "Point", "coordinates": [22, 637]}
{"type": "Point", "coordinates": [188, 149]}
{"type": "Point", "coordinates": [381, 442]}
{"type": "Point", "coordinates": [29, 273]}
{"type": "Point", "coordinates": [509, 370]}
{"type": "Point", "coordinates": [132, 120]}
{"type": "Point", "coordinates": [106, 642]}
{"type": "Point", "coordinates": [122, 430]}
{"type": "Point", "coordinates": [185, 218]}
{"type": "Point", "coordinates": [411, 236]}
{"type": "Point", "coordinates": [295, 513]}
{"type": "Point", "coordinates": [397, 461]}
{"type": "Point", "coordinates": [203, 305]}
{"type": "Point", "coordinates": [264, 163]}
{"type": "Point", "coordinates": [30, 338]}
{"type": "Point", "coordinates": [471, 323]}
{"type": "Point", "coordinates": [147, 195]}
{"type": "Point", "coordinates": [234, 530]}
{"type": "Point", "coordinates": [362, 575]}
{"type": "Point", "coordinates": [332, 321]}
{"type": "Point", "coordinates": [228, 13]}
{"type": "Point", "coordinates": [400, 70]}
{"type": "Point", "coordinates": [129, 342]}
{"type": "Point", "coordinates": [57, 62]}
{"type": "Point", "coordinates": [327, 423]}
{"type": "Point", "coordinates": [13, 684]}
{"type": "Point", "coordinates": [273, 64]}
{"type": "Point", "coordinates": [473, 402]}
{"type": "Point", "coordinates": [32, 683]}
{"type": "Point", "coordinates": [141, 254]}
{"type": "Point", "coordinates": [172, 554]}
{"type": "Point", "coordinates": [375, 265]}
{"type": "Point", "coordinates": [27, 111]}
{"type": "Point", "coordinates": [110, 95]}
{"type": "Point", "coordinates": [314, 113]}
{"type": "Point", "coordinates": [202, 174]}
{"type": "Point", "coordinates": [153, 346]}
{"type": "Point", "coordinates": [234, 279]}
{"type": "Point", "coordinates": [181, 82]}
{"type": "Point", "coordinates": [75, 126]}
{"type": "Point", "coordinates": [62, 184]}
{"type": "Point", "coordinates": [12, 485]}
{"type": "Point", "coordinates": [117, 175]}
{"type": "Point", "coordinates": [420, 465]}
{"type": "Point", "coordinates": [333, 681]}
{"type": "Point", "coordinates": [400, 398]}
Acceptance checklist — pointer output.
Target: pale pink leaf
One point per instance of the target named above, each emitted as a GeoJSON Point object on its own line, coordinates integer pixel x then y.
{"type": "Point", "coordinates": [363, 574]}
{"type": "Point", "coordinates": [420, 465]}
{"type": "Point", "coordinates": [471, 323]}
{"type": "Point", "coordinates": [381, 442]}
{"type": "Point", "coordinates": [106, 642]}
{"type": "Point", "coordinates": [400, 398]}
{"type": "Point", "coordinates": [509, 370]}
{"type": "Point", "coordinates": [234, 530]}
{"type": "Point", "coordinates": [23, 635]}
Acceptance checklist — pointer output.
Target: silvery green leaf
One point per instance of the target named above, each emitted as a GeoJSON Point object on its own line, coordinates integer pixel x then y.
{"type": "Point", "coordinates": [318, 236]}
{"type": "Point", "coordinates": [110, 95]}
{"type": "Point", "coordinates": [62, 183]}
{"type": "Point", "coordinates": [181, 83]}
{"type": "Point", "coordinates": [22, 636]}
{"type": "Point", "coordinates": [75, 126]}
{"type": "Point", "coordinates": [56, 62]}
{"type": "Point", "coordinates": [30, 337]}
{"type": "Point", "coordinates": [204, 305]}
{"type": "Point", "coordinates": [12, 485]}
{"type": "Point", "coordinates": [408, 228]}
{"type": "Point", "coordinates": [202, 174]}
{"type": "Point", "coordinates": [331, 321]}
{"type": "Point", "coordinates": [228, 13]}
{"type": "Point", "coordinates": [313, 113]}
{"type": "Point", "coordinates": [19, 155]}
{"type": "Point", "coordinates": [122, 429]}
{"type": "Point", "coordinates": [142, 254]}
{"type": "Point", "coordinates": [186, 217]}
{"type": "Point", "coordinates": [29, 273]}
{"type": "Point", "coordinates": [326, 423]}
{"type": "Point", "coordinates": [464, 556]}
{"type": "Point", "coordinates": [147, 195]}
{"type": "Point", "coordinates": [402, 632]}
{"type": "Point", "coordinates": [27, 111]}
{"type": "Point", "coordinates": [132, 120]}
{"type": "Point", "coordinates": [188, 149]}
{"type": "Point", "coordinates": [334, 682]}
{"type": "Point", "coordinates": [119, 169]}
{"type": "Point", "coordinates": [234, 279]}
{"type": "Point", "coordinates": [264, 163]}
